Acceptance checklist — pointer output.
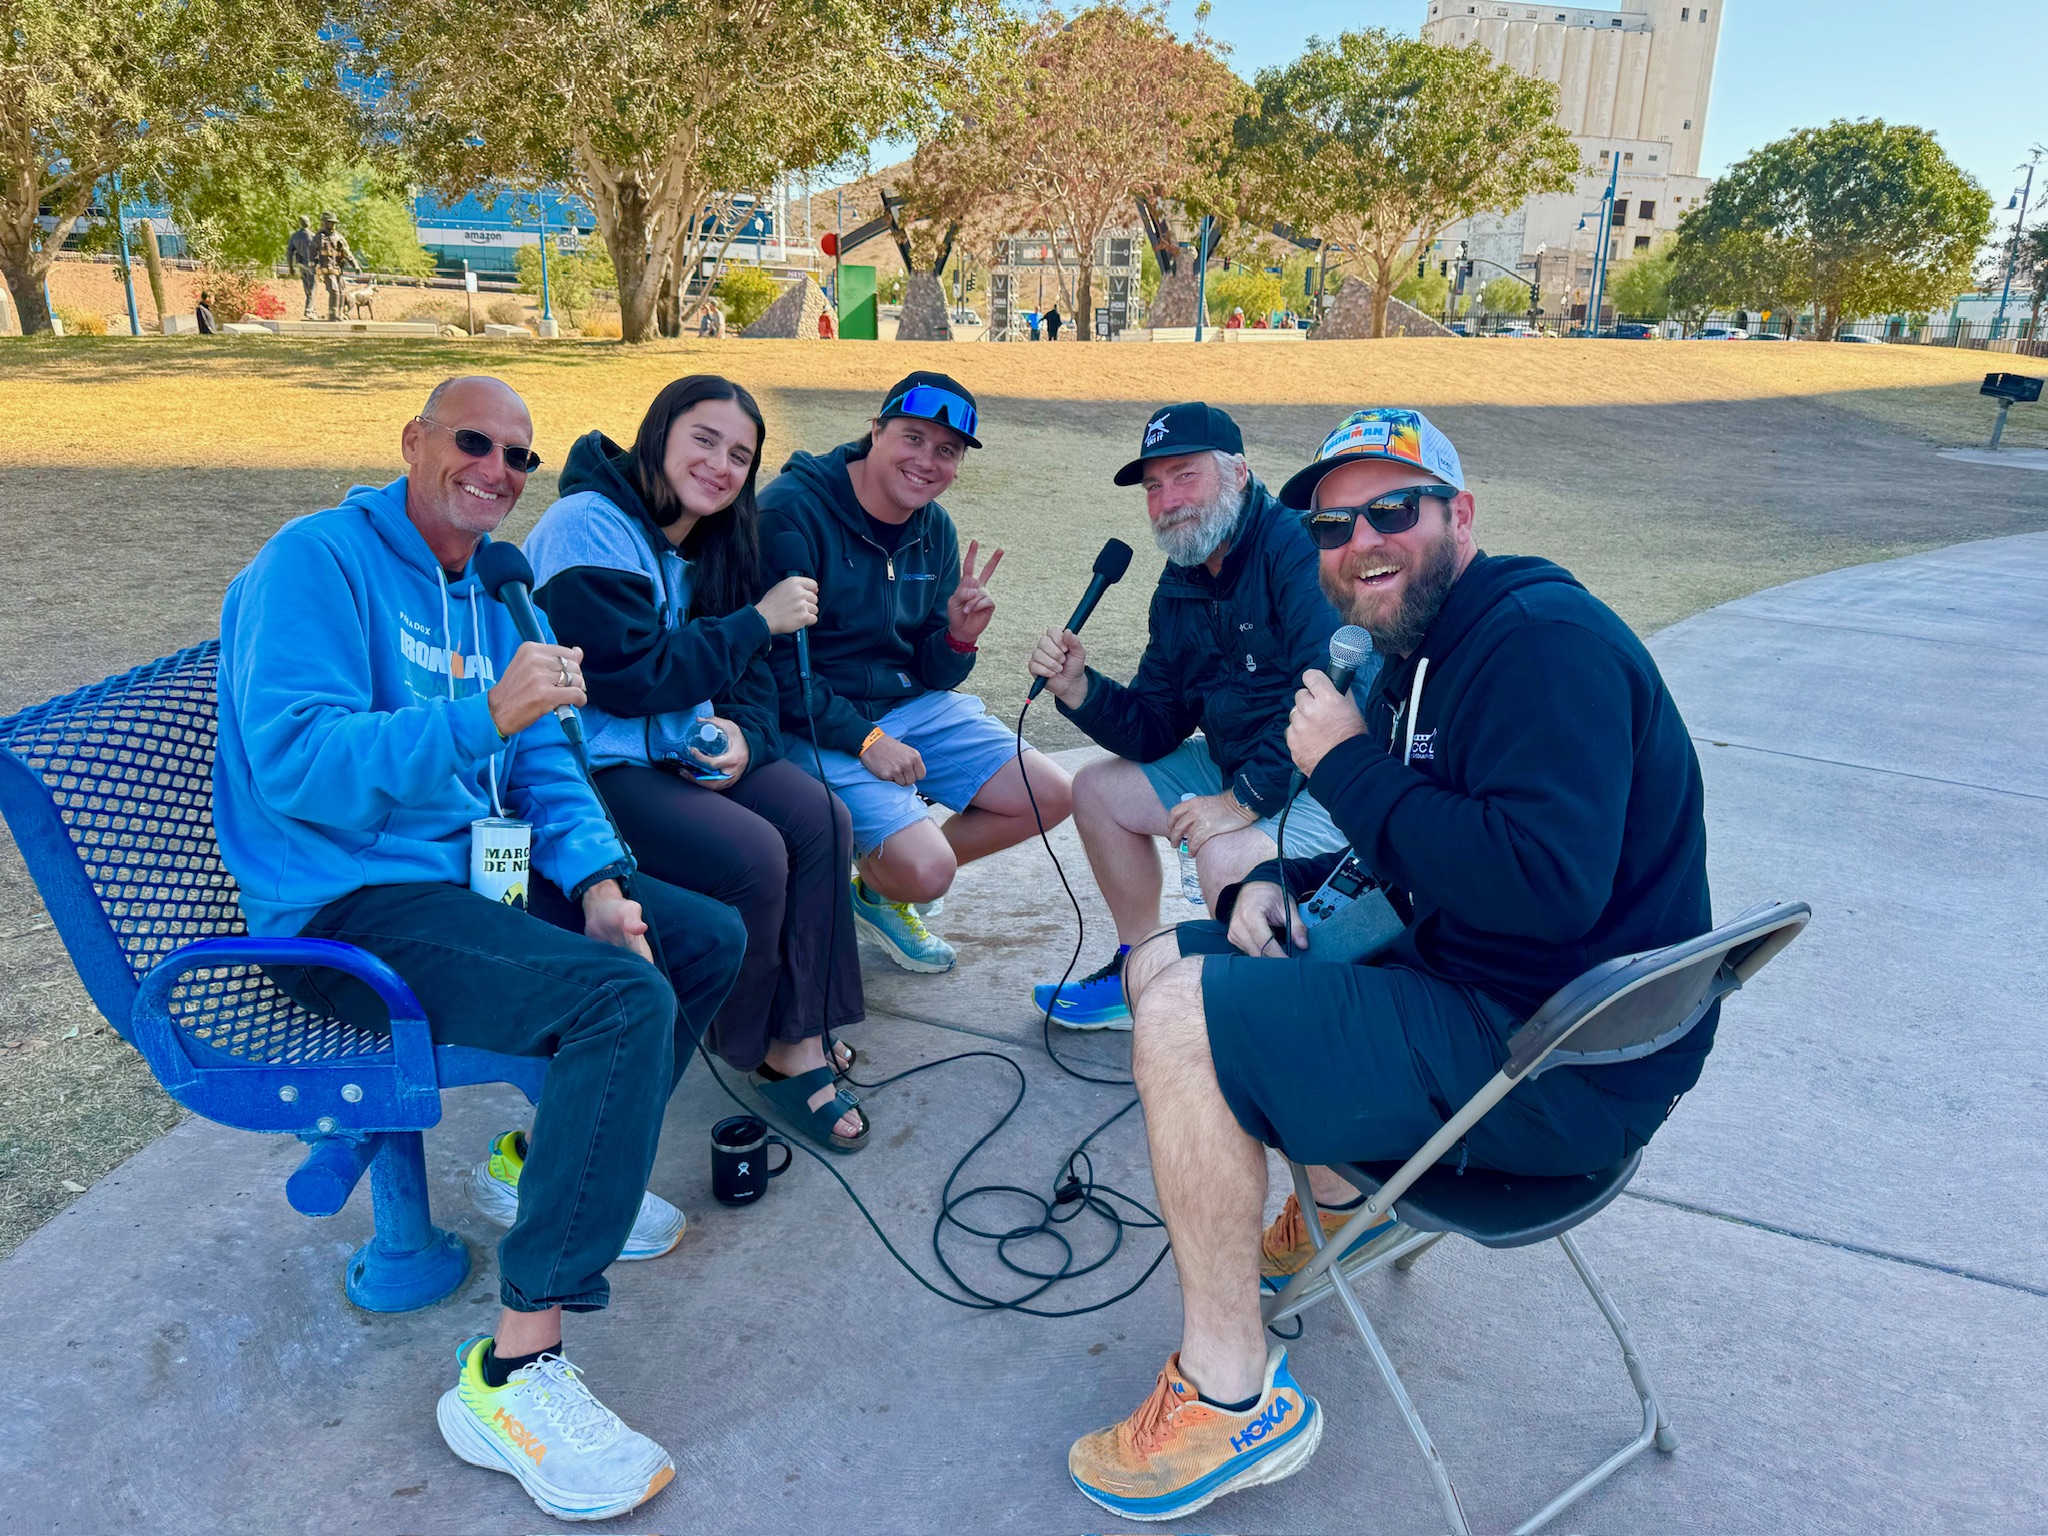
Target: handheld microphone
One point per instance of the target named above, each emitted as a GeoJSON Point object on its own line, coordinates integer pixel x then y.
{"type": "Point", "coordinates": [506, 575]}
{"type": "Point", "coordinates": [1110, 566]}
{"type": "Point", "coordinates": [1349, 647]}
{"type": "Point", "coordinates": [788, 555]}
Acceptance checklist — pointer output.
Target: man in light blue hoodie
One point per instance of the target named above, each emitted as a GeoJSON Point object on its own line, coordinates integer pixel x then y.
{"type": "Point", "coordinates": [374, 702]}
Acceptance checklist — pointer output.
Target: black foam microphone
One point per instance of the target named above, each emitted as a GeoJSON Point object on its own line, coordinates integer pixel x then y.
{"type": "Point", "coordinates": [1110, 566]}
{"type": "Point", "coordinates": [1349, 647]}
{"type": "Point", "coordinates": [788, 555]}
{"type": "Point", "coordinates": [506, 575]}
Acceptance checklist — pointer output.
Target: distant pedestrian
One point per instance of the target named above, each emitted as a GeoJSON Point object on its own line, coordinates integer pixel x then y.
{"type": "Point", "coordinates": [1031, 318]}
{"type": "Point", "coordinates": [298, 259]}
{"type": "Point", "coordinates": [1052, 323]}
{"type": "Point", "coordinates": [203, 312]}
{"type": "Point", "coordinates": [1235, 322]}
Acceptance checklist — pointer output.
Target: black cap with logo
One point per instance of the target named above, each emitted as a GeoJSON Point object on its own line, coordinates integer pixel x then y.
{"type": "Point", "coordinates": [1191, 427]}
{"type": "Point", "coordinates": [933, 397]}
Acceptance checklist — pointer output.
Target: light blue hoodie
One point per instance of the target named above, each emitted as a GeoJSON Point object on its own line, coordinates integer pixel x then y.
{"type": "Point", "coordinates": [356, 743]}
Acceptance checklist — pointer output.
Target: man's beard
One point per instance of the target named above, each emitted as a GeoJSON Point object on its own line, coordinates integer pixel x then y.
{"type": "Point", "coordinates": [1396, 631]}
{"type": "Point", "coordinates": [1204, 530]}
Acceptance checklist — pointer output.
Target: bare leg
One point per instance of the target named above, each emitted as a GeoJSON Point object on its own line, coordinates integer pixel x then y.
{"type": "Point", "coordinates": [527, 1333]}
{"type": "Point", "coordinates": [1118, 814]}
{"type": "Point", "coordinates": [916, 864]}
{"type": "Point", "coordinates": [1000, 815]}
{"type": "Point", "coordinates": [1228, 857]}
{"type": "Point", "coordinates": [1211, 1177]}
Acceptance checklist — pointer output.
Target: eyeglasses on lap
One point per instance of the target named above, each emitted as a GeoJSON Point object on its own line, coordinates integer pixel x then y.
{"type": "Point", "coordinates": [930, 403]}
{"type": "Point", "coordinates": [1395, 512]}
{"type": "Point", "coordinates": [478, 445]}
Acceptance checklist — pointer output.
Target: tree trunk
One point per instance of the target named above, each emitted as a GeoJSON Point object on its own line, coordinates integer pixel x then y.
{"type": "Point", "coordinates": [1381, 292]}
{"type": "Point", "coordinates": [24, 270]}
{"type": "Point", "coordinates": [1084, 300]}
{"type": "Point", "coordinates": [153, 259]}
{"type": "Point", "coordinates": [627, 239]}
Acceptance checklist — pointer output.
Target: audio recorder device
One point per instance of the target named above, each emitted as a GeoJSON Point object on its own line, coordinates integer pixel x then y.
{"type": "Point", "coordinates": [1349, 917]}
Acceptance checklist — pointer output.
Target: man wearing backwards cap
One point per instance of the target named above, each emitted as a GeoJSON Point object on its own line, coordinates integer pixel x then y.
{"type": "Point", "coordinates": [1236, 619]}
{"type": "Point", "coordinates": [1522, 780]}
{"type": "Point", "coordinates": [900, 612]}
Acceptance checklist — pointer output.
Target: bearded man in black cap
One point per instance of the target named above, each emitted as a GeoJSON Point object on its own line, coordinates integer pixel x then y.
{"type": "Point", "coordinates": [1236, 620]}
{"type": "Point", "coordinates": [900, 614]}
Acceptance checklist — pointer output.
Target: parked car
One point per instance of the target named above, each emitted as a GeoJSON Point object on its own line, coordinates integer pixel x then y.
{"type": "Point", "coordinates": [1868, 341]}
{"type": "Point", "coordinates": [1723, 333]}
{"type": "Point", "coordinates": [966, 317]}
{"type": "Point", "coordinates": [1631, 330]}
{"type": "Point", "coordinates": [1514, 330]}
{"type": "Point", "coordinates": [1770, 336]}
{"type": "Point", "coordinates": [1458, 328]}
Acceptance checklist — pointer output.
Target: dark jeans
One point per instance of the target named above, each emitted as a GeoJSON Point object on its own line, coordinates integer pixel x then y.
{"type": "Point", "coordinates": [620, 1032]}
{"type": "Point", "coordinates": [775, 847]}
{"type": "Point", "coordinates": [1364, 1063]}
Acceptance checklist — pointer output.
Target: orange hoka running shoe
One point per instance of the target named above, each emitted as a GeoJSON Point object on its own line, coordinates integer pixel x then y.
{"type": "Point", "coordinates": [1176, 1453]}
{"type": "Point", "coordinates": [1286, 1246]}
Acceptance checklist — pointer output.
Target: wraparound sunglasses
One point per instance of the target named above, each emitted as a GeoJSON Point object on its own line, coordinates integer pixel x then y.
{"type": "Point", "coordinates": [1395, 512]}
{"type": "Point", "coordinates": [478, 445]}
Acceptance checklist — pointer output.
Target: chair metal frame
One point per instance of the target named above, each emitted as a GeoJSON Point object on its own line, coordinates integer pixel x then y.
{"type": "Point", "coordinates": [1571, 1028]}
{"type": "Point", "coordinates": [108, 792]}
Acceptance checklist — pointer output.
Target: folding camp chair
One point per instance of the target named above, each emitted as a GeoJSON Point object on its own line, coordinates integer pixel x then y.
{"type": "Point", "coordinates": [1621, 1010]}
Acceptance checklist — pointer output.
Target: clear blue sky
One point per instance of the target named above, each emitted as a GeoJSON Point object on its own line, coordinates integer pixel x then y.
{"type": "Point", "coordinates": [1967, 73]}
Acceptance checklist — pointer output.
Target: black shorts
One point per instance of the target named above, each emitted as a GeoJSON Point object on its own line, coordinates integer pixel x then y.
{"type": "Point", "coordinates": [1364, 1063]}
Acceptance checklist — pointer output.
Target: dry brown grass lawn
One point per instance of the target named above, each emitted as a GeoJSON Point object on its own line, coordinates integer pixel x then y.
{"type": "Point", "coordinates": [136, 477]}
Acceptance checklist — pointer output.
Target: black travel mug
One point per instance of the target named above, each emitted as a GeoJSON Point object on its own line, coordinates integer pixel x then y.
{"type": "Point", "coordinates": [739, 1159]}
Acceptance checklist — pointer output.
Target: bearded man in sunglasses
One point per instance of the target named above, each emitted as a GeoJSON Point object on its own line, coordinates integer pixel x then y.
{"type": "Point", "coordinates": [1522, 782]}
{"type": "Point", "coordinates": [375, 706]}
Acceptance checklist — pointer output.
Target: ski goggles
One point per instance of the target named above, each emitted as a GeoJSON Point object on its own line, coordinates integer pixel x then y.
{"type": "Point", "coordinates": [1395, 512]}
{"type": "Point", "coordinates": [928, 402]}
{"type": "Point", "coordinates": [478, 445]}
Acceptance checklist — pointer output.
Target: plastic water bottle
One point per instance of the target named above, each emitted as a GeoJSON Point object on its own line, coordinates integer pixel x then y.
{"type": "Point", "coordinates": [707, 740]}
{"type": "Point", "coordinates": [1190, 877]}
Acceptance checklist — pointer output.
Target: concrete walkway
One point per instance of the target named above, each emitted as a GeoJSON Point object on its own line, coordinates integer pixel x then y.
{"type": "Point", "coordinates": [1833, 1259]}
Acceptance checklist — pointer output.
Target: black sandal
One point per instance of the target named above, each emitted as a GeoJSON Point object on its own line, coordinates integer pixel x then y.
{"type": "Point", "coordinates": [791, 1097]}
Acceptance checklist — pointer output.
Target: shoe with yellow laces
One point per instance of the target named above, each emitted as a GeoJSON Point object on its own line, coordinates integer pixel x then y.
{"type": "Point", "coordinates": [574, 1457]}
{"type": "Point", "coordinates": [1286, 1246]}
{"type": "Point", "coordinates": [1178, 1452]}
{"type": "Point", "coordinates": [899, 928]}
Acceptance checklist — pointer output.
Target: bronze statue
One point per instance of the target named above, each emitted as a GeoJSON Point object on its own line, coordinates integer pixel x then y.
{"type": "Point", "coordinates": [331, 256]}
{"type": "Point", "coordinates": [298, 259]}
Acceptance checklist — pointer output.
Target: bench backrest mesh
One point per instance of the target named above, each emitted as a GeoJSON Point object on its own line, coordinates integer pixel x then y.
{"type": "Point", "coordinates": [127, 764]}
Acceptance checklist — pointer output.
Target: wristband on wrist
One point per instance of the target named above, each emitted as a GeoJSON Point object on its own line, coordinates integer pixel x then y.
{"type": "Point", "coordinates": [959, 648]}
{"type": "Point", "coordinates": [873, 736]}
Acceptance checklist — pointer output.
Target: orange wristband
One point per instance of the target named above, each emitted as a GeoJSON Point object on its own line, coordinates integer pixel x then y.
{"type": "Point", "coordinates": [873, 736]}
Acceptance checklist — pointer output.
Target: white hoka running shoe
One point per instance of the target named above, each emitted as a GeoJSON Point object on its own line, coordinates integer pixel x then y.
{"type": "Point", "coordinates": [494, 1191]}
{"type": "Point", "coordinates": [574, 1457]}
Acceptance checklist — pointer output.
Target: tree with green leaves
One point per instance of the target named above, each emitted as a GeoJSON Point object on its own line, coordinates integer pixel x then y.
{"type": "Point", "coordinates": [1505, 296]}
{"type": "Point", "coordinates": [151, 89]}
{"type": "Point", "coordinates": [240, 210]}
{"type": "Point", "coordinates": [577, 279]}
{"type": "Point", "coordinates": [1641, 286]}
{"type": "Point", "coordinates": [1857, 218]}
{"type": "Point", "coordinates": [1379, 143]}
{"type": "Point", "coordinates": [666, 119]}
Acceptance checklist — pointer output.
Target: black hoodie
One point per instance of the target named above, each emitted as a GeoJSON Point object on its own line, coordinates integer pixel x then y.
{"type": "Point", "coordinates": [880, 639]}
{"type": "Point", "coordinates": [1550, 815]}
{"type": "Point", "coordinates": [636, 664]}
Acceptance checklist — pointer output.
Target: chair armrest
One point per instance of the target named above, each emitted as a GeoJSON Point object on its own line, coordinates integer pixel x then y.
{"type": "Point", "coordinates": [180, 1067]}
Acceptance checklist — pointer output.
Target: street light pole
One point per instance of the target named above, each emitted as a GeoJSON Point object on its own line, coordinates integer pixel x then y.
{"type": "Point", "coordinates": [547, 308]}
{"type": "Point", "coordinates": [1202, 273]}
{"type": "Point", "coordinates": [128, 270]}
{"type": "Point", "coordinates": [1599, 293]}
{"type": "Point", "coordinates": [2012, 254]}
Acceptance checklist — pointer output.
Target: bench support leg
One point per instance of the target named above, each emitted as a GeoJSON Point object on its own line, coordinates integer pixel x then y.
{"type": "Point", "coordinates": [409, 1262]}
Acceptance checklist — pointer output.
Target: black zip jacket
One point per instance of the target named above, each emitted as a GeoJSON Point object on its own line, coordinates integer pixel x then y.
{"type": "Point", "coordinates": [1550, 815]}
{"type": "Point", "coordinates": [1226, 653]}
{"type": "Point", "coordinates": [636, 666]}
{"type": "Point", "coordinates": [880, 639]}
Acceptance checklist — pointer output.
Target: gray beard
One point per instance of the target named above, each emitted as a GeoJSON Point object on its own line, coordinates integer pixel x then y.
{"type": "Point", "coordinates": [1194, 542]}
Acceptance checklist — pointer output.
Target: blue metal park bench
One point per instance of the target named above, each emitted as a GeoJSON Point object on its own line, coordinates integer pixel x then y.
{"type": "Point", "coordinates": [109, 793]}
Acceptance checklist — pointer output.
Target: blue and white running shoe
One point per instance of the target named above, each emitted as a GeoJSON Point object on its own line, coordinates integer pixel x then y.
{"type": "Point", "coordinates": [1096, 1001]}
{"type": "Point", "coordinates": [897, 927]}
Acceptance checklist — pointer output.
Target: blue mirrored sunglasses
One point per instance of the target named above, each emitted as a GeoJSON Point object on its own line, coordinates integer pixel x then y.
{"type": "Point", "coordinates": [930, 403]}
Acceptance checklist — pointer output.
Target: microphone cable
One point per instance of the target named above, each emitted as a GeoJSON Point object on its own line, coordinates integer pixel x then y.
{"type": "Point", "coordinates": [1076, 1190]}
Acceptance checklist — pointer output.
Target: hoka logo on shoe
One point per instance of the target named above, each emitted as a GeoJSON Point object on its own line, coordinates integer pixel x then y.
{"type": "Point", "coordinates": [517, 1433]}
{"type": "Point", "coordinates": [1263, 1425]}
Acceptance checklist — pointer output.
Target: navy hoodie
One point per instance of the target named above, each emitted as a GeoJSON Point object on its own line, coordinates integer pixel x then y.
{"type": "Point", "coordinates": [880, 639]}
{"type": "Point", "coordinates": [1550, 813]}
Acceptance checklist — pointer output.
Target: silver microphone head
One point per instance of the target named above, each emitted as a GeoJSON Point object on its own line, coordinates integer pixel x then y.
{"type": "Point", "coordinates": [1349, 647]}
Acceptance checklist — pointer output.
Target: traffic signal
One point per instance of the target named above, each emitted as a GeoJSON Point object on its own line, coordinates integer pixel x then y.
{"type": "Point", "coordinates": [1443, 269]}
{"type": "Point", "coordinates": [1422, 266]}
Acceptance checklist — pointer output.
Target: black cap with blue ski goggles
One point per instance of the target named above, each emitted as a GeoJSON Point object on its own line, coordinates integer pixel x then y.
{"type": "Point", "coordinates": [933, 397]}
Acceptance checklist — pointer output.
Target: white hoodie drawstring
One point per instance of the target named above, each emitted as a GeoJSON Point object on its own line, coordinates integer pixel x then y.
{"type": "Point", "coordinates": [1414, 708]}
{"type": "Point", "coordinates": [448, 639]}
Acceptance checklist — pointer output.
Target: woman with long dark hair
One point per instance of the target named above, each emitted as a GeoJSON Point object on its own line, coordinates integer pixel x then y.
{"type": "Point", "coordinates": [651, 562]}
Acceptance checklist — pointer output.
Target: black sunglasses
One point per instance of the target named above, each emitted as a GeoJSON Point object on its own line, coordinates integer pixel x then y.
{"type": "Point", "coordinates": [1395, 512]}
{"type": "Point", "coordinates": [478, 445]}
